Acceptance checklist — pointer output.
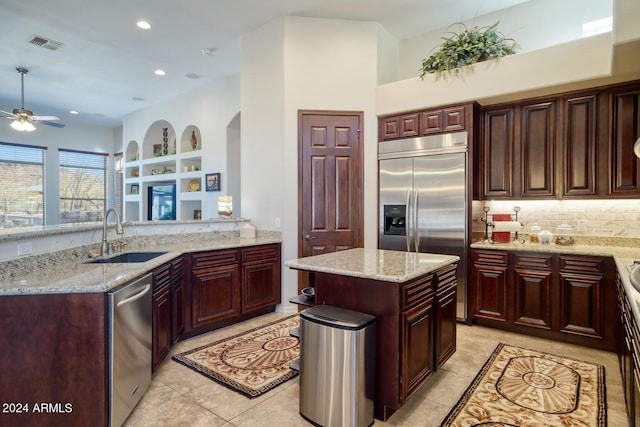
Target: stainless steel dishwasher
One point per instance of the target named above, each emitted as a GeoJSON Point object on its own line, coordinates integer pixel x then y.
{"type": "Point", "coordinates": [130, 349]}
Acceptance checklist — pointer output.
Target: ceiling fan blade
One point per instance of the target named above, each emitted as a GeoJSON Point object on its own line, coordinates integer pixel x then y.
{"type": "Point", "coordinates": [54, 124]}
{"type": "Point", "coordinates": [9, 115]}
{"type": "Point", "coordinates": [41, 118]}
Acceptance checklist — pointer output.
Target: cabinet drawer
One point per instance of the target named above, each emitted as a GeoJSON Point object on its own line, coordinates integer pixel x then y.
{"type": "Point", "coordinates": [260, 252]}
{"type": "Point", "coordinates": [446, 277]}
{"type": "Point", "coordinates": [417, 291]}
{"type": "Point", "coordinates": [161, 276]}
{"type": "Point", "coordinates": [178, 267]}
{"type": "Point", "coordinates": [215, 258]}
{"type": "Point", "coordinates": [581, 265]}
{"type": "Point", "coordinates": [543, 262]}
{"type": "Point", "coordinates": [491, 257]}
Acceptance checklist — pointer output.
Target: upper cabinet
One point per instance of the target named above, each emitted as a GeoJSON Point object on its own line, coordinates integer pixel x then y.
{"type": "Point", "coordinates": [575, 145]}
{"type": "Point", "coordinates": [420, 123]}
{"type": "Point", "coordinates": [624, 167]}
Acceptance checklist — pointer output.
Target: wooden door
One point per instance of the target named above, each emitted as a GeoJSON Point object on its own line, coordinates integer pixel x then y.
{"type": "Point", "coordinates": [330, 199]}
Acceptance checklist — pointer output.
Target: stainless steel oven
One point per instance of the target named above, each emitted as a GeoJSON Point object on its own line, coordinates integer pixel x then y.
{"type": "Point", "coordinates": [130, 336]}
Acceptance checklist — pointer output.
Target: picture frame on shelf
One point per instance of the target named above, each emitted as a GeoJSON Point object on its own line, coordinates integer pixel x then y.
{"type": "Point", "coordinates": [135, 189]}
{"type": "Point", "coordinates": [212, 181]}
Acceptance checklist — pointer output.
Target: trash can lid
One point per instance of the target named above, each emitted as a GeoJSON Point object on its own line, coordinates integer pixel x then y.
{"type": "Point", "coordinates": [337, 317]}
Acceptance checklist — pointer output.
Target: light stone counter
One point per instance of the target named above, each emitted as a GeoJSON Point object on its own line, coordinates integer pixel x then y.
{"type": "Point", "coordinates": [77, 276]}
{"type": "Point", "coordinates": [377, 264]}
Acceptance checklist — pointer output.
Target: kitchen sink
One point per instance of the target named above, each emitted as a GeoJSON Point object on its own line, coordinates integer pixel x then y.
{"type": "Point", "coordinates": [634, 277]}
{"type": "Point", "coordinates": [127, 257]}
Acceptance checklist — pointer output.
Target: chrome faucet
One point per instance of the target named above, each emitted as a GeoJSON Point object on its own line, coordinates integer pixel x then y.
{"type": "Point", "coordinates": [119, 230]}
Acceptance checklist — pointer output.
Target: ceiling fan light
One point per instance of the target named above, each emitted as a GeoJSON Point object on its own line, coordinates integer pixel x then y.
{"type": "Point", "coordinates": [28, 127]}
{"type": "Point", "coordinates": [22, 125]}
{"type": "Point", "coordinates": [17, 125]}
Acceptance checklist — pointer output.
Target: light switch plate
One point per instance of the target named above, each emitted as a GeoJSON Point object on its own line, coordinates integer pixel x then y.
{"type": "Point", "coordinates": [25, 249]}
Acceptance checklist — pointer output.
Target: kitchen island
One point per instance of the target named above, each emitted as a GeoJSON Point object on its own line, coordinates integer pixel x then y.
{"type": "Point", "coordinates": [412, 295]}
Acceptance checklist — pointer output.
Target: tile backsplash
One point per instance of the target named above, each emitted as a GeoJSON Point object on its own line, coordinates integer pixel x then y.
{"type": "Point", "coordinates": [601, 218]}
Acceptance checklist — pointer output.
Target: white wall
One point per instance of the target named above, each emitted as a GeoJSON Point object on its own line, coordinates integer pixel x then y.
{"type": "Point", "coordinates": [210, 108]}
{"type": "Point", "coordinates": [294, 64]}
{"type": "Point", "coordinates": [535, 24]}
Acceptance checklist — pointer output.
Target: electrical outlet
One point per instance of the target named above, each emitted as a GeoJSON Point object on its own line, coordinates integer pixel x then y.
{"type": "Point", "coordinates": [25, 249]}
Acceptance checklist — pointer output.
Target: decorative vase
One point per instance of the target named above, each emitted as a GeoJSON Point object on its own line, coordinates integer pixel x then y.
{"type": "Point", "coordinates": [194, 140]}
{"type": "Point", "coordinates": [165, 141]}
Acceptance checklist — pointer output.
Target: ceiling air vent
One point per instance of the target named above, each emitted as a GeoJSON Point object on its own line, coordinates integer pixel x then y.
{"type": "Point", "coordinates": [45, 43]}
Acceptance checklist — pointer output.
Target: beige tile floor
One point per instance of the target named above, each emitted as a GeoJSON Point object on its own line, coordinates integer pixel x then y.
{"type": "Point", "coordinates": [181, 397]}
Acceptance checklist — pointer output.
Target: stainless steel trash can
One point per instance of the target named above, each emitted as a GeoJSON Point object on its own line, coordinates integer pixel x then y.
{"type": "Point", "coordinates": [337, 366]}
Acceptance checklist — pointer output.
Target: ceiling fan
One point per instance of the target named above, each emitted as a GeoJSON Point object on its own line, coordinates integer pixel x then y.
{"type": "Point", "coordinates": [23, 119]}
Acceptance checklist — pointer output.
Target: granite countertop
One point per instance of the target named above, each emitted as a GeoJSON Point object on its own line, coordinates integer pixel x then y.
{"type": "Point", "coordinates": [377, 264]}
{"type": "Point", "coordinates": [82, 277]}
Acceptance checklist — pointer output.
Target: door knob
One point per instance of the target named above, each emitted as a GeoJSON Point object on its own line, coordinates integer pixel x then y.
{"type": "Point", "coordinates": [308, 237]}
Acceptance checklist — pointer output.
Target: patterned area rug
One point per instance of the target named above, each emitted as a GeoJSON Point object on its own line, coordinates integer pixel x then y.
{"type": "Point", "coordinates": [519, 387]}
{"type": "Point", "coordinates": [252, 362]}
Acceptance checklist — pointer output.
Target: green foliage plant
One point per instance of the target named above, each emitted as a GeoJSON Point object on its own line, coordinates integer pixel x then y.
{"type": "Point", "coordinates": [468, 47]}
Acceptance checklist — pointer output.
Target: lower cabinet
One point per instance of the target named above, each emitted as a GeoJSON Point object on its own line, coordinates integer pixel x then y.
{"type": "Point", "coordinates": [629, 356]}
{"type": "Point", "coordinates": [167, 312]}
{"type": "Point", "coordinates": [231, 284]}
{"type": "Point", "coordinates": [556, 296]}
{"type": "Point", "coordinates": [445, 316]}
{"type": "Point", "coordinates": [161, 325]}
{"type": "Point", "coordinates": [417, 348]}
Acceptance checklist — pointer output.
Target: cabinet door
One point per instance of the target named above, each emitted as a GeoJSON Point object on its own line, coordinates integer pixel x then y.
{"type": "Point", "coordinates": [581, 304]}
{"type": "Point", "coordinates": [161, 325]}
{"type": "Point", "coordinates": [497, 154]}
{"type": "Point", "coordinates": [579, 136]}
{"type": "Point", "coordinates": [537, 149]}
{"type": "Point", "coordinates": [532, 298]}
{"type": "Point", "coordinates": [260, 284]}
{"type": "Point", "coordinates": [399, 126]}
{"type": "Point", "coordinates": [216, 294]}
{"type": "Point", "coordinates": [490, 286]}
{"type": "Point", "coordinates": [177, 300]}
{"type": "Point", "coordinates": [417, 347]}
{"type": "Point", "coordinates": [624, 169]}
{"type": "Point", "coordinates": [445, 326]}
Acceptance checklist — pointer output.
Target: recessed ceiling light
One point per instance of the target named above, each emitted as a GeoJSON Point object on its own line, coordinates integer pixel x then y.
{"type": "Point", "coordinates": [73, 112]}
{"type": "Point", "coordinates": [160, 72]}
{"type": "Point", "coordinates": [193, 76]}
{"type": "Point", "coordinates": [143, 24]}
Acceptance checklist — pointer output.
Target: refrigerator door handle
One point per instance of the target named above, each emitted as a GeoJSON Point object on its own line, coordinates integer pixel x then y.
{"type": "Point", "coordinates": [416, 233]}
{"type": "Point", "coordinates": [407, 222]}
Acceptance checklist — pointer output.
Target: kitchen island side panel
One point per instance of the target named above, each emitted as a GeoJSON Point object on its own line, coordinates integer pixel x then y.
{"type": "Point", "coordinates": [53, 356]}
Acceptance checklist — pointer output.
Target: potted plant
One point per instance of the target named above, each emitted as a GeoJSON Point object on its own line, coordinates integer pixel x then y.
{"type": "Point", "coordinates": [467, 47]}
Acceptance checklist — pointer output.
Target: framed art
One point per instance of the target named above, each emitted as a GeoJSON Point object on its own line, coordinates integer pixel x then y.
{"type": "Point", "coordinates": [212, 181]}
{"type": "Point", "coordinates": [135, 189]}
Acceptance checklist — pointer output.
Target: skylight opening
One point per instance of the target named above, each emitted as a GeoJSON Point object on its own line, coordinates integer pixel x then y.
{"type": "Point", "coordinates": [599, 26]}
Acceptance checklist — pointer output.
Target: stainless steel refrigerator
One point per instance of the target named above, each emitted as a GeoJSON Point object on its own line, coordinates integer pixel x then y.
{"type": "Point", "coordinates": [423, 199]}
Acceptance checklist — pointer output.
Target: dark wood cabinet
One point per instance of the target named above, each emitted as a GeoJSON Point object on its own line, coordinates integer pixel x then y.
{"type": "Point", "coordinates": [554, 296]}
{"type": "Point", "coordinates": [628, 355]}
{"type": "Point", "coordinates": [624, 166]}
{"type": "Point", "coordinates": [572, 145]}
{"type": "Point", "coordinates": [532, 277]}
{"type": "Point", "coordinates": [417, 347]}
{"type": "Point", "coordinates": [445, 316]}
{"type": "Point", "coordinates": [216, 293]}
{"type": "Point", "coordinates": [497, 153]}
{"type": "Point", "coordinates": [260, 277]}
{"type": "Point", "coordinates": [579, 148]}
{"type": "Point", "coordinates": [489, 281]}
{"type": "Point", "coordinates": [537, 149]}
{"type": "Point", "coordinates": [428, 122]}
{"type": "Point", "coordinates": [228, 285]}
{"type": "Point", "coordinates": [161, 314]}
{"type": "Point", "coordinates": [177, 299]}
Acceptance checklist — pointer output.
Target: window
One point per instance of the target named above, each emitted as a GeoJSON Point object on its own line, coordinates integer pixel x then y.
{"type": "Point", "coordinates": [82, 186]}
{"type": "Point", "coordinates": [21, 187]}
